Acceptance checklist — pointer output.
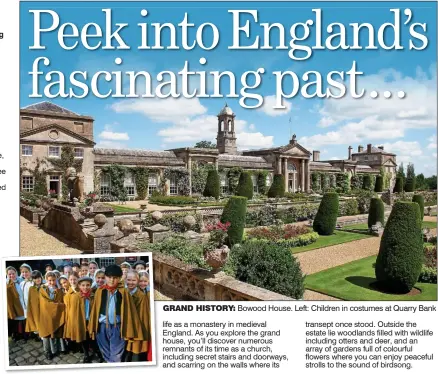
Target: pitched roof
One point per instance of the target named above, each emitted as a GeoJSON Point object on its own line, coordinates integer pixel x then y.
{"type": "Point", "coordinates": [243, 161]}
{"type": "Point", "coordinates": [136, 157]}
{"type": "Point", "coordinates": [374, 150]}
{"type": "Point", "coordinates": [37, 130]}
{"type": "Point", "coordinates": [47, 106]}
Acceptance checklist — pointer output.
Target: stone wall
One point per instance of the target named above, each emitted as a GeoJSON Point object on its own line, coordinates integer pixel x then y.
{"type": "Point", "coordinates": [31, 213]}
{"type": "Point", "coordinates": [185, 282]}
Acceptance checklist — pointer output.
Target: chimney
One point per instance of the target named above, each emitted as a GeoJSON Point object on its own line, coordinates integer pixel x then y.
{"type": "Point", "coordinates": [381, 147]}
{"type": "Point", "coordinates": [350, 151]}
{"type": "Point", "coordinates": [315, 155]}
{"type": "Point", "coordinates": [369, 146]}
{"type": "Point", "coordinates": [360, 149]}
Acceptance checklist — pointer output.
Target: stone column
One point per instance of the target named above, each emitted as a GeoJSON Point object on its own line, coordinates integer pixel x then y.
{"type": "Point", "coordinates": [189, 168]}
{"type": "Point", "coordinates": [302, 176]}
{"type": "Point", "coordinates": [278, 165]}
{"type": "Point", "coordinates": [307, 176]}
{"type": "Point", "coordinates": [286, 179]}
{"type": "Point", "coordinates": [216, 163]}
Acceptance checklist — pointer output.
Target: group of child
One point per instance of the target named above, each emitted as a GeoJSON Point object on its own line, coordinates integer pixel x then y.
{"type": "Point", "coordinates": [103, 312]}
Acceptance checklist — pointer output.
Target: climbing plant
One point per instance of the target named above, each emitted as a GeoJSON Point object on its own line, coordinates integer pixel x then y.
{"type": "Point", "coordinates": [181, 176]}
{"type": "Point", "coordinates": [261, 181]}
{"type": "Point", "coordinates": [315, 181]}
{"type": "Point", "coordinates": [117, 176]}
{"type": "Point", "coordinates": [233, 175]}
{"type": "Point", "coordinates": [199, 176]}
{"type": "Point", "coordinates": [39, 176]}
{"type": "Point", "coordinates": [343, 182]}
{"type": "Point", "coordinates": [141, 177]}
{"type": "Point", "coordinates": [67, 160]}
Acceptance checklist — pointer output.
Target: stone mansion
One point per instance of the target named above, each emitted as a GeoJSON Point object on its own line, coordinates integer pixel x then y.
{"type": "Point", "coordinates": [45, 127]}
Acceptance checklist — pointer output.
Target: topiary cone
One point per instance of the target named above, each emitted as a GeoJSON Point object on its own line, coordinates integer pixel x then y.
{"type": "Point", "coordinates": [420, 201]}
{"type": "Point", "coordinates": [379, 184]}
{"type": "Point", "coordinates": [401, 256]}
{"type": "Point", "coordinates": [277, 187]}
{"type": "Point", "coordinates": [245, 186]}
{"type": "Point", "coordinates": [212, 186]}
{"type": "Point", "coordinates": [235, 213]}
{"type": "Point", "coordinates": [376, 213]}
{"type": "Point", "coordinates": [398, 185]}
{"type": "Point", "coordinates": [327, 215]}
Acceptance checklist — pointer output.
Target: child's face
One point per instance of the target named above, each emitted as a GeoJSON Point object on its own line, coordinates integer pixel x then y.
{"type": "Point", "coordinates": [51, 281]}
{"type": "Point", "coordinates": [67, 270]}
{"type": "Point", "coordinates": [92, 268]}
{"type": "Point", "coordinates": [73, 281]}
{"type": "Point", "coordinates": [124, 271]}
{"type": "Point", "coordinates": [84, 269]}
{"type": "Point", "coordinates": [140, 267]}
{"type": "Point", "coordinates": [37, 281]}
{"type": "Point", "coordinates": [112, 281]}
{"type": "Point", "coordinates": [75, 269]}
{"type": "Point", "coordinates": [25, 273]}
{"type": "Point", "coordinates": [12, 275]}
{"type": "Point", "coordinates": [100, 279]}
{"type": "Point", "coordinates": [83, 272]}
{"type": "Point", "coordinates": [144, 282]}
{"type": "Point", "coordinates": [64, 283]}
{"type": "Point", "coordinates": [131, 281]}
{"type": "Point", "coordinates": [48, 268]}
{"type": "Point", "coordinates": [85, 287]}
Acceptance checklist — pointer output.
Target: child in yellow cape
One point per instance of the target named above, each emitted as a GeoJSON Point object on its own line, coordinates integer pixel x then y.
{"type": "Point", "coordinates": [33, 304]}
{"type": "Point", "coordinates": [137, 350]}
{"type": "Point", "coordinates": [52, 317]}
{"type": "Point", "coordinates": [74, 288]}
{"type": "Point", "coordinates": [114, 318]}
{"type": "Point", "coordinates": [78, 316]}
{"type": "Point", "coordinates": [15, 300]}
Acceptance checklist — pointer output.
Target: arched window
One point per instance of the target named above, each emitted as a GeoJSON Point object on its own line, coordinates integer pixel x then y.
{"type": "Point", "coordinates": [222, 125]}
{"type": "Point", "coordinates": [229, 125]}
{"type": "Point", "coordinates": [291, 167]}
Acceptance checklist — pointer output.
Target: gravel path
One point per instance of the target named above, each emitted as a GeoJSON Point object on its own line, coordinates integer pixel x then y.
{"type": "Point", "coordinates": [316, 296]}
{"type": "Point", "coordinates": [328, 257]}
{"type": "Point", "coordinates": [36, 242]}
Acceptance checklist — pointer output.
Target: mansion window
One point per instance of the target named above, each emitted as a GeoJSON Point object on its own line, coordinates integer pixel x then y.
{"type": "Point", "coordinates": [224, 183]}
{"type": "Point", "coordinates": [27, 184]}
{"type": "Point", "coordinates": [105, 184]}
{"type": "Point", "coordinates": [79, 152]}
{"type": "Point", "coordinates": [254, 183]}
{"type": "Point", "coordinates": [54, 151]}
{"type": "Point", "coordinates": [173, 186]}
{"type": "Point", "coordinates": [129, 184]}
{"type": "Point", "coordinates": [152, 183]}
{"type": "Point", "coordinates": [366, 158]}
{"type": "Point", "coordinates": [26, 150]}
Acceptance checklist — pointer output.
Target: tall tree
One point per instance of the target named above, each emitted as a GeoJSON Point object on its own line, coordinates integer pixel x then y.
{"type": "Point", "coordinates": [205, 144]}
{"type": "Point", "coordinates": [401, 171]}
{"type": "Point", "coordinates": [410, 178]}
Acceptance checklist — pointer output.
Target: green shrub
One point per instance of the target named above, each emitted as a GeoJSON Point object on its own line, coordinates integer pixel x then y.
{"type": "Point", "coordinates": [212, 186]}
{"type": "Point", "coordinates": [269, 266]}
{"type": "Point", "coordinates": [428, 275]}
{"type": "Point", "coordinates": [277, 186]}
{"type": "Point", "coordinates": [366, 182]}
{"type": "Point", "coordinates": [245, 187]}
{"type": "Point", "coordinates": [298, 241]}
{"type": "Point", "coordinates": [325, 220]}
{"type": "Point", "coordinates": [410, 184]}
{"type": "Point", "coordinates": [235, 213]}
{"type": "Point", "coordinates": [398, 185]}
{"type": "Point", "coordinates": [363, 198]}
{"type": "Point", "coordinates": [419, 199]}
{"type": "Point", "coordinates": [377, 212]}
{"type": "Point", "coordinates": [171, 200]}
{"type": "Point", "coordinates": [401, 254]}
{"type": "Point", "coordinates": [379, 184]}
{"type": "Point", "coordinates": [349, 207]}
{"type": "Point", "coordinates": [265, 216]}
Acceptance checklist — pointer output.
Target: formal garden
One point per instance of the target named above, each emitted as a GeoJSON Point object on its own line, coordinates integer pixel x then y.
{"type": "Point", "coordinates": [262, 238]}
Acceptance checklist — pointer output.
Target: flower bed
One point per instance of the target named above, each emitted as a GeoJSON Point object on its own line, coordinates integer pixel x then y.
{"type": "Point", "coordinates": [429, 271]}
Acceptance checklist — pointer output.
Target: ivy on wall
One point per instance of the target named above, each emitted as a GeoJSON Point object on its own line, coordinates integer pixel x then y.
{"type": "Point", "coordinates": [67, 160]}
{"type": "Point", "coordinates": [39, 176]}
{"type": "Point", "coordinates": [181, 176]}
{"type": "Point", "coordinates": [315, 181]}
{"type": "Point", "coordinates": [199, 176]}
{"type": "Point", "coordinates": [117, 176]}
{"type": "Point", "coordinates": [261, 181]}
{"type": "Point", "coordinates": [141, 178]}
{"type": "Point", "coordinates": [343, 182]}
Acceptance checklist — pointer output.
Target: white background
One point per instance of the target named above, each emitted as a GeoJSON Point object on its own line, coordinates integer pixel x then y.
{"type": "Point", "coordinates": [291, 324]}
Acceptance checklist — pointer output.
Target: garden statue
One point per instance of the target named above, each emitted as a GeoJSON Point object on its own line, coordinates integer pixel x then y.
{"type": "Point", "coordinates": [75, 185]}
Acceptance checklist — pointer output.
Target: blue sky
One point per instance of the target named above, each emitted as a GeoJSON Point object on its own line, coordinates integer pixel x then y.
{"type": "Point", "coordinates": [406, 126]}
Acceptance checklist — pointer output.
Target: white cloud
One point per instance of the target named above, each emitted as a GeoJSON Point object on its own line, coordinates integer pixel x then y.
{"type": "Point", "coordinates": [432, 142]}
{"type": "Point", "coordinates": [405, 150]}
{"type": "Point", "coordinates": [110, 135]}
{"type": "Point", "coordinates": [269, 103]}
{"type": "Point", "coordinates": [362, 119]}
{"type": "Point", "coordinates": [246, 140]}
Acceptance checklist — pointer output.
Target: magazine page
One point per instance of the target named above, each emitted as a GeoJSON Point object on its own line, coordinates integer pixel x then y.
{"type": "Point", "coordinates": [198, 186]}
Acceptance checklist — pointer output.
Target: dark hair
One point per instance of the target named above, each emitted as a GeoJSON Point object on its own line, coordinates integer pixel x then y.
{"type": "Point", "coordinates": [46, 265]}
{"type": "Point", "coordinates": [36, 274]}
{"type": "Point", "coordinates": [75, 264]}
{"type": "Point", "coordinates": [60, 268]}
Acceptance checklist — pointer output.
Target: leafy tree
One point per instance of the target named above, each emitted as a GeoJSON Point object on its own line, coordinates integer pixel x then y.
{"type": "Point", "coordinates": [205, 144]}
{"type": "Point", "coordinates": [420, 182]}
{"type": "Point", "coordinates": [401, 171]}
{"type": "Point", "coordinates": [410, 178]}
{"type": "Point", "coordinates": [431, 182]}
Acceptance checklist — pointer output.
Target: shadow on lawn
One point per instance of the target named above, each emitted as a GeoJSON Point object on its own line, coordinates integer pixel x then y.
{"type": "Point", "coordinates": [364, 282]}
{"type": "Point", "coordinates": [371, 284]}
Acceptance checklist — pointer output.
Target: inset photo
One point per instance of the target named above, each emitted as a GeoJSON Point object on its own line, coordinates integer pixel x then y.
{"type": "Point", "coordinates": [79, 310]}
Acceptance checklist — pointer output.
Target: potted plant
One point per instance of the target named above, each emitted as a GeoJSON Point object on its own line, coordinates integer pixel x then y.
{"type": "Point", "coordinates": [215, 250]}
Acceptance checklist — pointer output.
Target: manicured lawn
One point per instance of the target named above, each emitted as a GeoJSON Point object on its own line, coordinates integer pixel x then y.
{"type": "Point", "coordinates": [352, 282]}
{"type": "Point", "coordinates": [338, 237]}
{"type": "Point", "coordinates": [123, 209]}
{"type": "Point", "coordinates": [364, 226]}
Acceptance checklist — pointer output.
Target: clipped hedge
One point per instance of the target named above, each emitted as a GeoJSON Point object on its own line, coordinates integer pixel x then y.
{"type": "Point", "coordinates": [377, 212]}
{"type": "Point", "coordinates": [277, 187]}
{"type": "Point", "coordinates": [366, 182]}
{"type": "Point", "coordinates": [298, 241]}
{"type": "Point", "coordinates": [212, 186]}
{"type": "Point", "coordinates": [401, 256]}
{"type": "Point", "coordinates": [235, 213]}
{"type": "Point", "coordinates": [171, 200]}
{"type": "Point", "coordinates": [410, 184]}
{"type": "Point", "coordinates": [325, 220]}
{"type": "Point", "coordinates": [245, 187]}
{"type": "Point", "coordinates": [379, 184]}
{"type": "Point", "coordinates": [398, 185]}
{"type": "Point", "coordinates": [419, 199]}
{"type": "Point", "coordinates": [269, 266]}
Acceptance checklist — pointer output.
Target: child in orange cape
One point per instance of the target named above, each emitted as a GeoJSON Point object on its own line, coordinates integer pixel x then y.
{"type": "Point", "coordinates": [16, 305]}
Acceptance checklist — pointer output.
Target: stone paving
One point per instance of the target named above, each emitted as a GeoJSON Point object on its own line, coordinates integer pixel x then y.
{"type": "Point", "coordinates": [31, 353]}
